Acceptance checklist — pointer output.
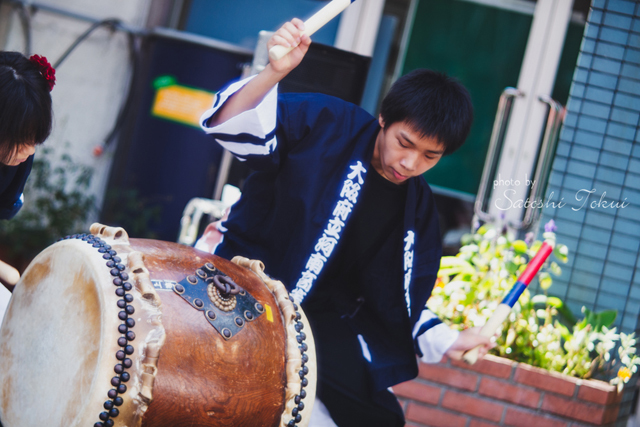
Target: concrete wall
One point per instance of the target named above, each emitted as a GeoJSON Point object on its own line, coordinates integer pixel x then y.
{"type": "Point", "coordinates": [91, 83]}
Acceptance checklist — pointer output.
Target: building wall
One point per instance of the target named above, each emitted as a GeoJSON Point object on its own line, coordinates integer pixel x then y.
{"type": "Point", "coordinates": [595, 181]}
{"type": "Point", "coordinates": [249, 17]}
{"type": "Point", "coordinates": [91, 83]}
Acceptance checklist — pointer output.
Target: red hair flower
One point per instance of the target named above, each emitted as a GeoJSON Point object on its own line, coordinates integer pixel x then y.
{"type": "Point", "coordinates": [45, 69]}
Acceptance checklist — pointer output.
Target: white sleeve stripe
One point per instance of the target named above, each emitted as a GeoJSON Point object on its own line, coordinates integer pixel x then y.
{"type": "Point", "coordinates": [221, 97]}
{"type": "Point", "coordinates": [365, 348]}
{"type": "Point", "coordinates": [258, 122]}
{"type": "Point", "coordinates": [435, 342]}
{"type": "Point", "coordinates": [240, 149]}
{"type": "Point", "coordinates": [426, 316]}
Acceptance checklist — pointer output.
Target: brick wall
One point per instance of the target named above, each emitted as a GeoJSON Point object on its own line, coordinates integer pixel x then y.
{"type": "Point", "coordinates": [499, 392]}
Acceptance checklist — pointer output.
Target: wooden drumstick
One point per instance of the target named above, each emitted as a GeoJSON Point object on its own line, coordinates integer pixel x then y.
{"type": "Point", "coordinates": [8, 275]}
{"type": "Point", "coordinates": [313, 24]}
{"type": "Point", "coordinates": [502, 311]}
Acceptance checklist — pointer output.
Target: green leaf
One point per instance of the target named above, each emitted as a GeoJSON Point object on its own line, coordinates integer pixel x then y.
{"type": "Point", "coordinates": [466, 239]}
{"type": "Point", "coordinates": [555, 269]}
{"type": "Point", "coordinates": [469, 248]}
{"type": "Point", "coordinates": [470, 297]}
{"type": "Point", "coordinates": [453, 261]}
{"type": "Point", "coordinates": [511, 267]}
{"type": "Point", "coordinates": [479, 261]}
{"type": "Point", "coordinates": [483, 229]}
{"type": "Point", "coordinates": [564, 331]}
{"type": "Point", "coordinates": [598, 320]}
{"type": "Point", "coordinates": [607, 317]}
{"type": "Point", "coordinates": [545, 280]}
{"type": "Point", "coordinates": [561, 253]}
{"type": "Point", "coordinates": [563, 310]}
{"type": "Point", "coordinates": [539, 299]}
{"type": "Point", "coordinates": [520, 247]}
{"type": "Point", "coordinates": [447, 272]}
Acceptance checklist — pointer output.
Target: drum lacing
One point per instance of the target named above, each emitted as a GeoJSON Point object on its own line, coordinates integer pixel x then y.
{"type": "Point", "coordinates": [114, 263]}
{"type": "Point", "coordinates": [304, 369]}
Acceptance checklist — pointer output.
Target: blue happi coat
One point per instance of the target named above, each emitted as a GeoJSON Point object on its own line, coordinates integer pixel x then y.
{"type": "Point", "coordinates": [12, 182]}
{"type": "Point", "coordinates": [312, 153]}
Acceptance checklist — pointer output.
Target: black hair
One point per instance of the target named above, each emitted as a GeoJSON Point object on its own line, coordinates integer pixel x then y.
{"type": "Point", "coordinates": [432, 104]}
{"type": "Point", "coordinates": [25, 104]}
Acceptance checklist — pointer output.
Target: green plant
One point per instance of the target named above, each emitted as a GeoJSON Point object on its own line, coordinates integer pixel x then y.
{"type": "Point", "coordinates": [541, 330]}
{"type": "Point", "coordinates": [57, 204]}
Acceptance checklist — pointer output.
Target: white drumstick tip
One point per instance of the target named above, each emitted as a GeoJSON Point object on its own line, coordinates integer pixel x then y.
{"type": "Point", "coordinates": [313, 24]}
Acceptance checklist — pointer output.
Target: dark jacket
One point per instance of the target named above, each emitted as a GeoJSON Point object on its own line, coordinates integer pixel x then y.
{"type": "Point", "coordinates": [309, 164]}
{"type": "Point", "coordinates": [12, 182]}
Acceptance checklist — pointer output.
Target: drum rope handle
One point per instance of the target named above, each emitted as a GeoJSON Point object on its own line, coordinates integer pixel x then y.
{"type": "Point", "coordinates": [150, 347]}
{"type": "Point", "coordinates": [300, 368]}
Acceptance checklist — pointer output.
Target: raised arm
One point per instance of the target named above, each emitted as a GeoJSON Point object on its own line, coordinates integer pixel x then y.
{"type": "Point", "coordinates": [254, 92]}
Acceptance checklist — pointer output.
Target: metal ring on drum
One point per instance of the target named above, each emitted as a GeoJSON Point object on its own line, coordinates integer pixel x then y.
{"type": "Point", "coordinates": [104, 330]}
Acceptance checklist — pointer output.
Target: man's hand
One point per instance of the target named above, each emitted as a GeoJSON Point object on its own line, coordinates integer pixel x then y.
{"type": "Point", "coordinates": [249, 96]}
{"type": "Point", "coordinates": [468, 339]}
{"type": "Point", "coordinates": [289, 35]}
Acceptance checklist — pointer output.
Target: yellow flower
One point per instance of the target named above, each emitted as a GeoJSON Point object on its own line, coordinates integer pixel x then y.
{"type": "Point", "coordinates": [624, 374]}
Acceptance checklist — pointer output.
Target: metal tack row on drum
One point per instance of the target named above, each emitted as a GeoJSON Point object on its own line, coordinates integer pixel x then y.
{"type": "Point", "coordinates": [103, 330]}
{"type": "Point", "coordinates": [123, 288]}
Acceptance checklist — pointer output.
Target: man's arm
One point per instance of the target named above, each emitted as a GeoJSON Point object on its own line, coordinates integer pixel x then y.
{"type": "Point", "coordinates": [434, 339]}
{"type": "Point", "coordinates": [250, 95]}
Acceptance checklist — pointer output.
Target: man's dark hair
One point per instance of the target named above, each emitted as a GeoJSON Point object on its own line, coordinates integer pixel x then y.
{"type": "Point", "coordinates": [433, 104]}
{"type": "Point", "coordinates": [25, 104]}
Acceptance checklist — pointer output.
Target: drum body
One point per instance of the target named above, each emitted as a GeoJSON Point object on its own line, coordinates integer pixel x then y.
{"type": "Point", "coordinates": [107, 331]}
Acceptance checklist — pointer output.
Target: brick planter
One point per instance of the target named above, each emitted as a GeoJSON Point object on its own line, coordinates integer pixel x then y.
{"type": "Point", "coordinates": [500, 392]}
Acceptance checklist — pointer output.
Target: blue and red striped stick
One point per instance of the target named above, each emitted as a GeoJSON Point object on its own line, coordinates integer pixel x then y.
{"type": "Point", "coordinates": [503, 310]}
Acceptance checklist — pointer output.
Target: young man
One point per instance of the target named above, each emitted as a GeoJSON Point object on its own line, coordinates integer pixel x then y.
{"type": "Point", "coordinates": [339, 212]}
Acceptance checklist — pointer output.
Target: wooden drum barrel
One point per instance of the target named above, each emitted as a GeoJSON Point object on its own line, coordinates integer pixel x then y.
{"type": "Point", "coordinates": [103, 330]}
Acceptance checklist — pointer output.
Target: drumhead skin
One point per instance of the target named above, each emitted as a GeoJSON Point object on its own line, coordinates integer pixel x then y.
{"type": "Point", "coordinates": [64, 349]}
{"type": "Point", "coordinates": [51, 340]}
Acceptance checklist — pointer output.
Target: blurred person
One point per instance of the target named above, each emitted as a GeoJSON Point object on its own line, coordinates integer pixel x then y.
{"type": "Point", "coordinates": [25, 122]}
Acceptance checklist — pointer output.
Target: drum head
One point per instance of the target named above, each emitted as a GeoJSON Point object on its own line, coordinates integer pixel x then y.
{"type": "Point", "coordinates": [45, 355]}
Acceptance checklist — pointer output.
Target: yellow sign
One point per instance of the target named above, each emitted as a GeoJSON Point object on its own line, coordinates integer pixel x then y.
{"type": "Point", "coordinates": [178, 103]}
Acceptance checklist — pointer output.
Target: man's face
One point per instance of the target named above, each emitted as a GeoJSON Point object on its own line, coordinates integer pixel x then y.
{"type": "Point", "coordinates": [20, 155]}
{"type": "Point", "coordinates": [401, 153]}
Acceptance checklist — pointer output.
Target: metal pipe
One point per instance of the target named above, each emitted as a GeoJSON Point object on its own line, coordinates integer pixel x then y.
{"type": "Point", "coordinates": [138, 31]}
{"type": "Point", "coordinates": [69, 14]}
{"type": "Point", "coordinates": [541, 176]}
{"type": "Point", "coordinates": [495, 146]}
